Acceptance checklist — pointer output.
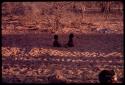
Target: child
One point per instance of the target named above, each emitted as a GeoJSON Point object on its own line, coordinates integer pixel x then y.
{"type": "Point", "coordinates": [107, 76]}
{"type": "Point", "coordinates": [56, 43]}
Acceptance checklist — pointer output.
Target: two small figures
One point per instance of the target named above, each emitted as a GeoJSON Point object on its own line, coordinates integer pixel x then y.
{"type": "Point", "coordinates": [69, 44]}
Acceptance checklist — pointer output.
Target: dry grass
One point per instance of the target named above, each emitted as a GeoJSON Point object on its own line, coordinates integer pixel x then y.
{"type": "Point", "coordinates": [28, 55]}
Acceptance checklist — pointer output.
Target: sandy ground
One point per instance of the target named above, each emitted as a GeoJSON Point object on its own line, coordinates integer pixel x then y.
{"type": "Point", "coordinates": [31, 58]}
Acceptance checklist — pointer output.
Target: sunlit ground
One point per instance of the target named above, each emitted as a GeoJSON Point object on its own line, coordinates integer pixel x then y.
{"type": "Point", "coordinates": [29, 57]}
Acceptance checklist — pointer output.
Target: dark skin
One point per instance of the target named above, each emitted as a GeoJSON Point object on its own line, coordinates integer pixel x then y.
{"type": "Point", "coordinates": [107, 76]}
{"type": "Point", "coordinates": [56, 43]}
{"type": "Point", "coordinates": [70, 42]}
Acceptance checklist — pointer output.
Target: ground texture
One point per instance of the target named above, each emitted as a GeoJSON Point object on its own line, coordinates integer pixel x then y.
{"type": "Point", "coordinates": [27, 36]}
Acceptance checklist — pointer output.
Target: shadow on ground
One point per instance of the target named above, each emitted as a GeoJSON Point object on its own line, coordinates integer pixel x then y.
{"type": "Point", "coordinates": [83, 42]}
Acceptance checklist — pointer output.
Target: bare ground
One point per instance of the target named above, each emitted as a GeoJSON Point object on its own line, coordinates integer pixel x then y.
{"type": "Point", "coordinates": [28, 55]}
{"type": "Point", "coordinates": [31, 58]}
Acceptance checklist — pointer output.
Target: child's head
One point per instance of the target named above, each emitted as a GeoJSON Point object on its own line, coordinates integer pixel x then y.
{"type": "Point", "coordinates": [107, 76]}
{"type": "Point", "coordinates": [71, 35]}
{"type": "Point", "coordinates": [55, 37]}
